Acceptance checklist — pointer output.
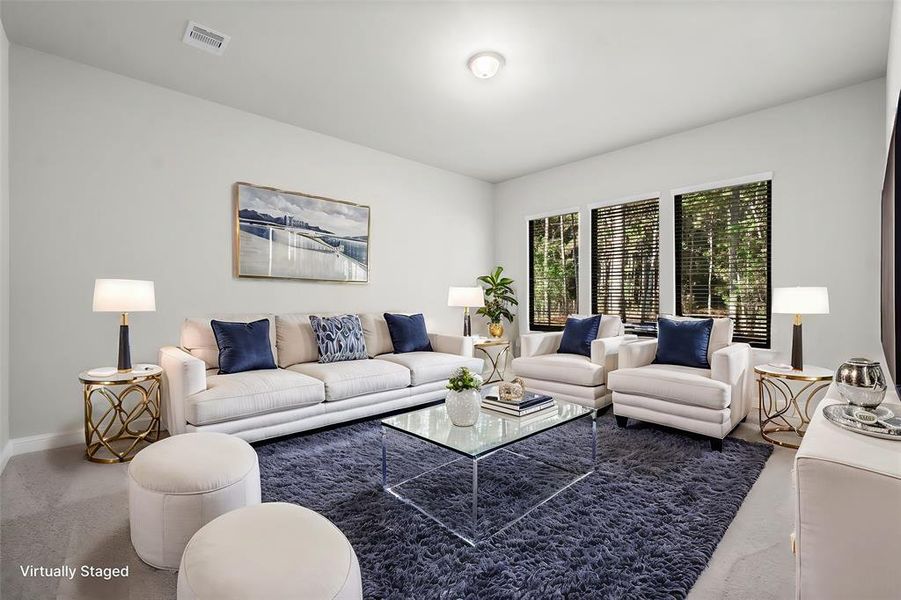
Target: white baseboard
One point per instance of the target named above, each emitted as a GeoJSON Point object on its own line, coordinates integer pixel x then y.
{"type": "Point", "coordinates": [46, 441]}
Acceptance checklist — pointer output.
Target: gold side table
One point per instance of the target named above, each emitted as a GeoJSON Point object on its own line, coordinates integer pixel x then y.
{"type": "Point", "coordinates": [498, 361]}
{"type": "Point", "coordinates": [121, 412]}
{"type": "Point", "coordinates": [783, 408]}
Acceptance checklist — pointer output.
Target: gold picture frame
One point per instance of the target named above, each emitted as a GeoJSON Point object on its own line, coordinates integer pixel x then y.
{"type": "Point", "coordinates": [298, 236]}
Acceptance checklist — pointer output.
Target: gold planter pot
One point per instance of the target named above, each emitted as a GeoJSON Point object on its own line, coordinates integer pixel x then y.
{"type": "Point", "coordinates": [495, 329]}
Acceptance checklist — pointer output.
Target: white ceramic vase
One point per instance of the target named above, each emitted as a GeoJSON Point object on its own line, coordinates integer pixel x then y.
{"type": "Point", "coordinates": [463, 407]}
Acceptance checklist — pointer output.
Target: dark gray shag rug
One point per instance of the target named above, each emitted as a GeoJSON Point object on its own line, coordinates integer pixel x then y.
{"type": "Point", "coordinates": [643, 525]}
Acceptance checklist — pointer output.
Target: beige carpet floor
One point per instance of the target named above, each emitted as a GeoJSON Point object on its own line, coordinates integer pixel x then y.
{"type": "Point", "coordinates": [56, 508]}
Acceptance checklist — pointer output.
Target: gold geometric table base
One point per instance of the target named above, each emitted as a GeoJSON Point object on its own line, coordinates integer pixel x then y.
{"type": "Point", "coordinates": [115, 436]}
{"type": "Point", "coordinates": [782, 409]}
{"type": "Point", "coordinates": [498, 362]}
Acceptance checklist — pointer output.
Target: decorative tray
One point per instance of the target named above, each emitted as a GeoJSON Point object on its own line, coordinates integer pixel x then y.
{"type": "Point", "coordinates": [880, 422]}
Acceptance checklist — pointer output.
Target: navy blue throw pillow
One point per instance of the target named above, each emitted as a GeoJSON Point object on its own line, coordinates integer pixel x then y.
{"type": "Point", "coordinates": [243, 346]}
{"type": "Point", "coordinates": [683, 342]}
{"type": "Point", "coordinates": [578, 335]}
{"type": "Point", "coordinates": [408, 333]}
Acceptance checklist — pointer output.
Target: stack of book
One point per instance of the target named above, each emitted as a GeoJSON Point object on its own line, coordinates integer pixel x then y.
{"type": "Point", "coordinates": [530, 404]}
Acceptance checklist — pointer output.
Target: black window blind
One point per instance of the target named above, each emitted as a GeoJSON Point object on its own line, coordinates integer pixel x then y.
{"type": "Point", "coordinates": [553, 271]}
{"type": "Point", "coordinates": [625, 268]}
{"type": "Point", "coordinates": [723, 255]}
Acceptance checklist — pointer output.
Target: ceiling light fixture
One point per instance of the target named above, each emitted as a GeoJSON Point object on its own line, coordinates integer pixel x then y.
{"type": "Point", "coordinates": [485, 65]}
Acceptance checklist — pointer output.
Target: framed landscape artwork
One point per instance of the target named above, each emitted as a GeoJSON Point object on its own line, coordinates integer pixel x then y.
{"type": "Point", "coordinates": [292, 235]}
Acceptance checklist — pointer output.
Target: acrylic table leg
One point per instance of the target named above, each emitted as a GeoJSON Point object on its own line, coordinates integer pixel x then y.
{"type": "Point", "coordinates": [475, 500]}
{"type": "Point", "coordinates": [594, 439]}
{"type": "Point", "coordinates": [384, 458]}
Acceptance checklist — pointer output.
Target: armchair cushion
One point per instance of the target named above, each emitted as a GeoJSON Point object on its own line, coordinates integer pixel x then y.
{"type": "Point", "coordinates": [574, 369]}
{"type": "Point", "coordinates": [720, 334]}
{"type": "Point", "coordinates": [683, 342]}
{"type": "Point", "coordinates": [675, 383]}
{"type": "Point", "coordinates": [536, 344]}
{"type": "Point", "coordinates": [578, 335]}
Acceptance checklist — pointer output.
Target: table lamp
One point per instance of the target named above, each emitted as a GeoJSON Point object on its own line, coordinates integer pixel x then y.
{"type": "Point", "coordinates": [123, 296]}
{"type": "Point", "coordinates": [800, 301]}
{"type": "Point", "coordinates": [466, 297]}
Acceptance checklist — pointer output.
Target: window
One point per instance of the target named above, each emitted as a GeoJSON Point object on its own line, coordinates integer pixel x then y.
{"type": "Point", "coordinates": [625, 265]}
{"type": "Point", "coordinates": [553, 271]}
{"type": "Point", "coordinates": [723, 257]}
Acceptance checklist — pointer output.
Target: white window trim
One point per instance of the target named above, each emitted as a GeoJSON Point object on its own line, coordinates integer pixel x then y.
{"type": "Point", "coordinates": [526, 326]}
{"type": "Point", "coordinates": [714, 185]}
{"type": "Point", "coordinates": [625, 200]}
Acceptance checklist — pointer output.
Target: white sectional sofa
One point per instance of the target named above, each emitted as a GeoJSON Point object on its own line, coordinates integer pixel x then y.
{"type": "Point", "coordinates": [302, 393]}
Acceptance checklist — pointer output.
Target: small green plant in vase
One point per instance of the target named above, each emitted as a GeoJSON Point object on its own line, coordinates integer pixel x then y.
{"type": "Point", "coordinates": [464, 398]}
{"type": "Point", "coordinates": [499, 298]}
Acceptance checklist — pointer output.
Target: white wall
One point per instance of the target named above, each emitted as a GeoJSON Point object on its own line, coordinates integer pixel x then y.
{"type": "Point", "coordinates": [4, 247]}
{"type": "Point", "coordinates": [893, 71]}
{"type": "Point", "coordinates": [826, 157]}
{"type": "Point", "coordinates": [112, 177]}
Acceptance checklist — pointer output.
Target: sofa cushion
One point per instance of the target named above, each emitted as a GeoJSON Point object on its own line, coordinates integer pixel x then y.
{"type": "Point", "coordinates": [408, 333]}
{"type": "Point", "coordinates": [198, 340]}
{"type": "Point", "coordinates": [339, 338]}
{"type": "Point", "coordinates": [565, 368]}
{"type": "Point", "coordinates": [351, 378]}
{"type": "Point", "coordinates": [239, 395]}
{"type": "Point", "coordinates": [243, 346]}
{"type": "Point", "coordinates": [376, 334]}
{"type": "Point", "coordinates": [295, 340]}
{"type": "Point", "coordinates": [685, 385]}
{"type": "Point", "coordinates": [426, 367]}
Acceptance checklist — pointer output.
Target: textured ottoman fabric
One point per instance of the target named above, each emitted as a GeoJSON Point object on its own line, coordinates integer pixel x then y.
{"type": "Point", "coordinates": [275, 551]}
{"type": "Point", "coordinates": [177, 485]}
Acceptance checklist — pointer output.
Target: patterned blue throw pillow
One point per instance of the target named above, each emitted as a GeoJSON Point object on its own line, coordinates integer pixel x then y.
{"type": "Point", "coordinates": [339, 338]}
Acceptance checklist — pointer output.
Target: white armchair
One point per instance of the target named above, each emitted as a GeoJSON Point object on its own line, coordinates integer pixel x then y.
{"type": "Point", "coordinates": [572, 377]}
{"type": "Point", "coordinates": [710, 402]}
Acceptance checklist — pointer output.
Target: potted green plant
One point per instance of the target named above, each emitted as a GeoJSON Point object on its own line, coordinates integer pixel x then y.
{"type": "Point", "coordinates": [499, 297]}
{"type": "Point", "coordinates": [463, 400]}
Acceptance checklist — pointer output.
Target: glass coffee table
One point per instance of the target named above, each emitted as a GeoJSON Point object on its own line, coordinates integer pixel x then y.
{"type": "Point", "coordinates": [521, 468]}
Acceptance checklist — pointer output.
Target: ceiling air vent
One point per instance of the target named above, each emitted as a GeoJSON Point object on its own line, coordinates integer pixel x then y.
{"type": "Point", "coordinates": [201, 36]}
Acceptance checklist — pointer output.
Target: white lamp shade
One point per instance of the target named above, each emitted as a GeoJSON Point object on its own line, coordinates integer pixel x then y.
{"type": "Point", "coordinates": [801, 300]}
{"type": "Point", "coordinates": [465, 296]}
{"type": "Point", "coordinates": [123, 295]}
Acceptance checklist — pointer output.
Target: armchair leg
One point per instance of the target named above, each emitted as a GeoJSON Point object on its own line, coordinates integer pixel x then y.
{"type": "Point", "coordinates": [716, 444]}
{"type": "Point", "coordinates": [621, 421]}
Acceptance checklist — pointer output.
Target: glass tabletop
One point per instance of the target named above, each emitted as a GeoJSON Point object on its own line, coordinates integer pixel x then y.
{"type": "Point", "coordinates": [491, 432]}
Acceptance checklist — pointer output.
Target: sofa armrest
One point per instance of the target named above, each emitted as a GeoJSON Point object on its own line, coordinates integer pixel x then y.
{"type": "Point", "coordinates": [460, 345]}
{"type": "Point", "coordinates": [732, 365]}
{"type": "Point", "coordinates": [536, 344]}
{"type": "Point", "coordinates": [183, 375]}
{"type": "Point", "coordinates": [637, 354]}
{"type": "Point", "coordinates": [605, 351]}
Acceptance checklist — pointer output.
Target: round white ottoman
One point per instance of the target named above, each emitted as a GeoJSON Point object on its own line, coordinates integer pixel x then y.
{"type": "Point", "coordinates": [276, 551]}
{"type": "Point", "coordinates": [179, 484]}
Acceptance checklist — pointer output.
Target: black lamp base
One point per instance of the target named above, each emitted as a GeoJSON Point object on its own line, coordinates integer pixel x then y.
{"type": "Point", "coordinates": [797, 348]}
{"type": "Point", "coordinates": [467, 323]}
{"type": "Point", "coordinates": [124, 350]}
